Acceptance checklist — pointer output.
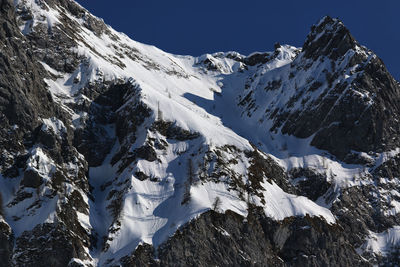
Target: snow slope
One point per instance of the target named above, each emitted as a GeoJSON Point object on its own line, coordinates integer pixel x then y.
{"type": "Point", "coordinates": [383, 243]}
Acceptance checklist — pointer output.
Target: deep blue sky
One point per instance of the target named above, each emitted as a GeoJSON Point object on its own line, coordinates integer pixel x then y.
{"type": "Point", "coordinates": [197, 27]}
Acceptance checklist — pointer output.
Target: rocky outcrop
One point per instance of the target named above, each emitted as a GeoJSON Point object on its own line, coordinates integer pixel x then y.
{"type": "Point", "coordinates": [329, 38]}
{"type": "Point", "coordinates": [23, 97]}
{"type": "Point", "coordinates": [28, 140]}
{"type": "Point", "coordinates": [6, 243]}
{"type": "Point", "coordinates": [352, 112]}
{"type": "Point", "coordinates": [47, 245]}
{"type": "Point", "coordinates": [335, 90]}
{"type": "Point", "coordinates": [231, 240]}
{"type": "Point", "coordinates": [95, 138]}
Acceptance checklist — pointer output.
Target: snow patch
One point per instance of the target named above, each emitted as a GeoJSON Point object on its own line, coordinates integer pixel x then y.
{"type": "Point", "coordinates": [280, 205]}
{"type": "Point", "coordinates": [383, 243]}
{"type": "Point", "coordinates": [54, 125]}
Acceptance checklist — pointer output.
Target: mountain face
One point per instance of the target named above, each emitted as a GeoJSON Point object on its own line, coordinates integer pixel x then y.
{"type": "Point", "coordinates": [115, 153]}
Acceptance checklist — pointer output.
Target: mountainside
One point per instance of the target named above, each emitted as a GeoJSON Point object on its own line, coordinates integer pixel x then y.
{"type": "Point", "coordinates": [116, 153]}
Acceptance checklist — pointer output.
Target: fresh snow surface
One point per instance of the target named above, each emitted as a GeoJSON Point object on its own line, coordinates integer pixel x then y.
{"type": "Point", "coordinates": [54, 125]}
{"type": "Point", "coordinates": [280, 205]}
{"type": "Point", "coordinates": [383, 243]}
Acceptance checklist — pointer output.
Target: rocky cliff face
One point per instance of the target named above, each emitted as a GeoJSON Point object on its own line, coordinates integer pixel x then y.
{"type": "Point", "coordinates": [335, 89]}
{"type": "Point", "coordinates": [115, 153]}
{"type": "Point", "coordinates": [232, 240]}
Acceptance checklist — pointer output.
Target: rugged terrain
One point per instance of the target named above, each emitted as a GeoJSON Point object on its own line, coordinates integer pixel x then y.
{"type": "Point", "coordinates": [115, 153]}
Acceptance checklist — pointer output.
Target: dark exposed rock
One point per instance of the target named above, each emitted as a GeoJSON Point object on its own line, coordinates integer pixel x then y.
{"type": "Point", "coordinates": [210, 64]}
{"type": "Point", "coordinates": [21, 195]}
{"type": "Point", "coordinates": [362, 127]}
{"type": "Point", "coordinates": [340, 113]}
{"type": "Point", "coordinates": [231, 240]}
{"type": "Point", "coordinates": [262, 58]}
{"type": "Point", "coordinates": [146, 152]}
{"type": "Point", "coordinates": [274, 85]}
{"type": "Point", "coordinates": [356, 158]}
{"type": "Point", "coordinates": [46, 138]}
{"type": "Point", "coordinates": [143, 256]}
{"type": "Point", "coordinates": [31, 179]}
{"type": "Point", "coordinates": [24, 100]}
{"type": "Point", "coordinates": [329, 38]}
{"type": "Point", "coordinates": [11, 172]}
{"type": "Point", "coordinates": [94, 141]}
{"type": "Point", "coordinates": [309, 183]}
{"type": "Point", "coordinates": [265, 167]}
{"type": "Point", "coordinates": [359, 211]}
{"type": "Point", "coordinates": [6, 243]}
{"type": "Point", "coordinates": [390, 169]}
{"type": "Point", "coordinates": [257, 58]}
{"type": "Point", "coordinates": [54, 45]}
{"type": "Point", "coordinates": [136, 114]}
{"type": "Point", "coordinates": [171, 131]}
{"type": "Point", "coordinates": [22, 97]}
{"type": "Point", "coordinates": [141, 176]}
{"type": "Point", "coordinates": [47, 245]}
{"type": "Point", "coordinates": [58, 178]}
{"type": "Point", "coordinates": [129, 118]}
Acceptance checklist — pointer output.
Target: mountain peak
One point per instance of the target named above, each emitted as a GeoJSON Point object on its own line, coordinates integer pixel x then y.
{"type": "Point", "coordinates": [329, 37]}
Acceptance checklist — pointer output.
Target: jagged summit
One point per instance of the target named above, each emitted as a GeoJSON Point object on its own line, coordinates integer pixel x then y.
{"type": "Point", "coordinates": [116, 153]}
{"type": "Point", "coordinates": [329, 37]}
{"type": "Point", "coordinates": [330, 91]}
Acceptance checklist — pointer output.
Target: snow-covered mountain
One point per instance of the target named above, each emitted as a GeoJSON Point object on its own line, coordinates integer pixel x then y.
{"type": "Point", "coordinates": [116, 153]}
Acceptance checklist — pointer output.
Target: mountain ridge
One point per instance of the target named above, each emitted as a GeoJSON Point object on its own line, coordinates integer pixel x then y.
{"type": "Point", "coordinates": [134, 146]}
